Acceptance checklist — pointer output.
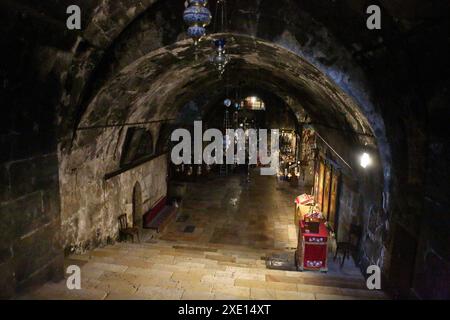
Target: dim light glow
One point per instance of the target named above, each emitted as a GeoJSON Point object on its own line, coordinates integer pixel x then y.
{"type": "Point", "coordinates": [253, 103]}
{"type": "Point", "coordinates": [365, 160]}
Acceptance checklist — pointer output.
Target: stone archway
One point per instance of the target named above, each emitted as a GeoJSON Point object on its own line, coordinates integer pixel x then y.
{"type": "Point", "coordinates": [137, 205]}
{"type": "Point", "coordinates": [142, 92]}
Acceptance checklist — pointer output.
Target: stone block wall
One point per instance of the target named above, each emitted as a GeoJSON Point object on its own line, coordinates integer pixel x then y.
{"type": "Point", "coordinates": [91, 205]}
{"type": "Point", "coordinates": [30, 251]}
{"type": "Point", "coordinates": [432, 269]}
{"type": "Point", "coordinates": [35, 60]}
{"type": "Point", "coordinates": [348, 210]}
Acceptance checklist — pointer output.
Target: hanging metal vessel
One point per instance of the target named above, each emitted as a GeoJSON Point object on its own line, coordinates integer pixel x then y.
{"type": "Point", "coordinates": [220, 58]}
{"type": "Point", "coordinates": [197, 16]}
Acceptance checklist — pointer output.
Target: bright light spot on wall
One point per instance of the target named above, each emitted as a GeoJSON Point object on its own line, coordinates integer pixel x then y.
{"type": "Point", "coordinates": [365, 160]}
{"type": "Point", "coordinates": [253, 103]}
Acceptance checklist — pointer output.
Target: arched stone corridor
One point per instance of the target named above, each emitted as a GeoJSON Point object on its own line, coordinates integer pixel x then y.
{"type": "Point", "coordinates": [86, 139]}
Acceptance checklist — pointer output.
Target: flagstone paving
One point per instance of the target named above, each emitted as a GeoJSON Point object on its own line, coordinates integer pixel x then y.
{"type": "Point", "coordinates": [166, 270]}
{"type": "Point", "coordinates": [237, 227]}
{"type": "Point", "coordinates": [228, 210]}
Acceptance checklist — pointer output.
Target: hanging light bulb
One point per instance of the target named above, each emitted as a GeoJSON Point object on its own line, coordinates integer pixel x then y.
{"type": "Point", "coordinates": [197, 16]}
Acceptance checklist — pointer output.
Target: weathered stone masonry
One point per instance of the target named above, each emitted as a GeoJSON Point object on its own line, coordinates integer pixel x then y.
{"type": "Point", "coordinates": [49, 78]}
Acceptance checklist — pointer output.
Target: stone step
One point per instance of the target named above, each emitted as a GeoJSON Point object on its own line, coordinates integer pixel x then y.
{"type": "Point", "coordinates": [317, 281]}
{"type": "Point", "coordinates": [141, 255]}
{"type": "Point", "coordinates": [107, 259]}
{"type": "Point", "coordinates": [59, 291]}
{"type": "Point", "coordinates": [230, 257]}
{"type": "Point", "coordinates": [314, 289]}
{"type": "Point", "coordinates": [173, 270]}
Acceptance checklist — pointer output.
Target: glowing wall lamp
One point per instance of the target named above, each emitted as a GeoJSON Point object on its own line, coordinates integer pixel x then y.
{"type": "Point", "coordinates": [365, 160]}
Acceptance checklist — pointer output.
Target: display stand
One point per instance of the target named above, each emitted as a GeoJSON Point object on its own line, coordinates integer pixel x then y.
{"type": "Point", "coordinates": [312, 250]}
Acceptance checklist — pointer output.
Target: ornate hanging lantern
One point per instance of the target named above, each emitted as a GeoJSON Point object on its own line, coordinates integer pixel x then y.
{"type": "Point", "coordinates": [220, 59]}
{"type": "Point", "coordinates": [197, 16]}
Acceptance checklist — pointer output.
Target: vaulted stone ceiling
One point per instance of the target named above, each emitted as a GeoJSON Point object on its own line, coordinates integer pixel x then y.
{"type": "Point", "coordinates": [331, 35]}
{"type": "Point", "coordinates": [394, 83]}
{"type": "Point", "coordinates": [156, 86]}
{"type": "Point", "coordinates": [142, 91]}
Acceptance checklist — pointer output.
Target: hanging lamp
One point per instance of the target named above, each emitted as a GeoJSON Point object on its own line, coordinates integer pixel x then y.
{"type": "Point", "coordinates": [220, 58]}
{"type": "Point", "coordinates": [197, 16]}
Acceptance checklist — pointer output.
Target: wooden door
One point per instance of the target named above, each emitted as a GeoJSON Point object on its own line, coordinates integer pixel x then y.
{"type": "Point", "coordinates": [333, 200]}
{"type": "Point", "coordinates": [321, 182]}
{"type": "Point", "coordinates": [316, 184]}
{"type": "Point", "coordinates": [326, 192]}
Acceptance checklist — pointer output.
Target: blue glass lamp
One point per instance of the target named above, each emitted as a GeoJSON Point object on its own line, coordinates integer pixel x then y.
{"type": "Point", "coordinates": [197, 16]}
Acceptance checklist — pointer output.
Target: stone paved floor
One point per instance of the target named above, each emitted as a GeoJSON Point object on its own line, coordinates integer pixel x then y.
{"type": "Point", "coordinates": [228, 210]}
{"type": "Point", "coordinates": [237, 227]}
{"type": "Point", "coordinates": [180, 270]}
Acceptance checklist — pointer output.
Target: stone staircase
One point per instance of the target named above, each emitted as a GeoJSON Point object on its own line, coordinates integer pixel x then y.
{"type": "Point", "coordinates": [182, 270]}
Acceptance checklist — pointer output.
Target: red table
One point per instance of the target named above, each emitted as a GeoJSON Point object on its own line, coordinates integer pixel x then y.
{"type": "Point", "coordinates": [312, 250]}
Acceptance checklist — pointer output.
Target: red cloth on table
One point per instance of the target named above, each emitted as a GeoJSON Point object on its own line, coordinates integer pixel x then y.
{"type": "Point", "coordinates": [304, 200]}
